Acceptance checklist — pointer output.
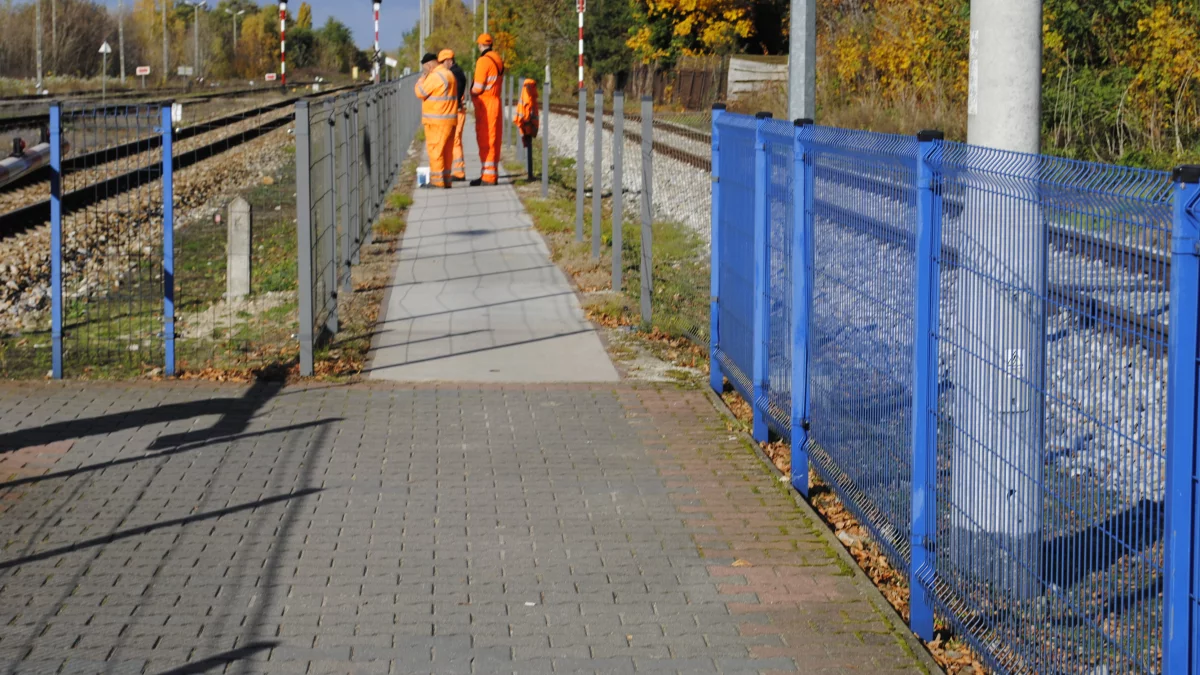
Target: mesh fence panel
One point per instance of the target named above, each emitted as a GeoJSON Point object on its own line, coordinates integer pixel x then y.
{"type": "Point", "coordinates": [1052, 441]}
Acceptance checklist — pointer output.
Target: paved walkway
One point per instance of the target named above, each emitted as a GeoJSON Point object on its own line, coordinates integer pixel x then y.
{"type": "Point", "coordinates": [475, 297]}
{"type": "Point", "coordinates": [417, 528]}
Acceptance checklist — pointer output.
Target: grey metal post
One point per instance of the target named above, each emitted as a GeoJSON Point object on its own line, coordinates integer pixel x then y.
{"type": "Point", "coordinates": [503, 114]}
{"type": "Point", "coordinates": [647, 206]}
{"type": "Point", "coordinates": [304, 238]}
{"type": "Point", "coordinates": [344, 201]}
{"type": "Point", "coordinates": [546, 136]}
{"type": "Point", "coordinates": [579, 160]}
{"type": "Point", "coordinates": [37, 4]}
{"type": "Point", "coordinates": [331, 281]}
{"type": "Point", "coordinates": [618, 190]}
{"type": "Point", "coordinates": [355, 178]}
{"type": "Point", "coordinates": [372, 165]}
{"type": "Point", "coordinates": [802, 62]}
{"type": "Point", "coordinates": [512, 114]}
{"type": "Point", "coordinates": [597, 165]}
{"type": "Point", "coordinates": [998, 457]}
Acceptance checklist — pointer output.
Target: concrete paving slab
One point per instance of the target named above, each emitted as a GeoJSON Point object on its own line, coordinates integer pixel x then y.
{"type": "Point", "coordinates": [475, 297]}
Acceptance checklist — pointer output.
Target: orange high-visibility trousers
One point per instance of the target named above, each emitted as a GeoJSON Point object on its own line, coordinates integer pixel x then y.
{"type": "Point", "coordinates": [488, 118]}
{"type": "Point", "coordinates": [439, 143]}
{"type": "Point", "coordinates": [460, 164]}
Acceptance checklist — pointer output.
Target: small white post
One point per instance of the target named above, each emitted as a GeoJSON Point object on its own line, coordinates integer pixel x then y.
{"type": "Point", "coordinates": [237, 269]}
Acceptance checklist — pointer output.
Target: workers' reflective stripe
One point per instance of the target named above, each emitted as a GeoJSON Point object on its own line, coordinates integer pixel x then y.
{"type": "Point", "coordinates": [431, 116]}
{"type": "Point", "coordinates": [443, 98]}
{"type": "Point", "coordinates": [422, 91]}
{"type": "Point", "coordinates": [491, 79]}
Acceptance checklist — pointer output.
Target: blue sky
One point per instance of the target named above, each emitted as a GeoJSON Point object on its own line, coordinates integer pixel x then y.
{"type": "Point", "coordinates": [395, 17]}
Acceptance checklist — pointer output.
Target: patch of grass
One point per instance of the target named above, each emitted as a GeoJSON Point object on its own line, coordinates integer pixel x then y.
{"type": "Point", "coordinates": [400, 201]}
{"type": "Point", "coordinates": [390, 225]}
{"type": "Point", "coordinates": [680, 268]}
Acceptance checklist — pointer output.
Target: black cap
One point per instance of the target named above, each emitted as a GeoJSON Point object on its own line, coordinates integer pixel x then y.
{"type": "Point", "coordinates": [762, 115]}
{"type": "Point", "coordinates": [802, 122]}
{"type": "Point", "coordinates": [429, 56]}
{"type": "Point", "coordinates": [1188, 173]}
{"type": "Point", "coordinates": [926, 135]}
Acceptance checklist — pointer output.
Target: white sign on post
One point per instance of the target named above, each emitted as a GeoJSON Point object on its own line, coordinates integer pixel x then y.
{"type": "Point", "coordinates": [105, 48]}
{"type": "Point", "coordinates": [143, 70]}
{"type": "Point", "coordinates": [186, 71]}
{"type": "Point", "coordinates": [270, 77]}
{"type": "Point", "coordinates": [391, 63]}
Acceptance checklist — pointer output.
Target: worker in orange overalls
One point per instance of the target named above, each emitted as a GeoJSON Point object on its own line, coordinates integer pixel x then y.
{"type": "Point", "coordinates": [459, 172]}
{"type": "Point", "coordinates": [439, 114]}
{"type": "Point", "coordinates": [526, 119]}
{"type": "Point", "coordinates": [489, 114]}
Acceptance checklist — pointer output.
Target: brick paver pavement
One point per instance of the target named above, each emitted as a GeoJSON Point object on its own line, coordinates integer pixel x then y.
{"type": "Point", "coordinates": [190, 527]}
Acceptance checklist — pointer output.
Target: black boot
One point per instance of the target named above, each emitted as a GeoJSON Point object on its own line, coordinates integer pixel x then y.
{"type": "Point", "coordinates": [477, 182]}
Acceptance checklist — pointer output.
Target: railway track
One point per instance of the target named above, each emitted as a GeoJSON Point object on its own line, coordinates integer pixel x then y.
{"type": "Point", "coordinates": [36, 214]}
{"type": "Point", "coordinates": [41, 119]}
{"type": "Point", "coordinates": [1098, 313]}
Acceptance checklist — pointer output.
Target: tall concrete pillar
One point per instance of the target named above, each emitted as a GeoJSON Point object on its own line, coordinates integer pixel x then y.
{"type": "Point", "coordinates": [997, 457]}
{"type": "Point", "coordinates": [802, 61]}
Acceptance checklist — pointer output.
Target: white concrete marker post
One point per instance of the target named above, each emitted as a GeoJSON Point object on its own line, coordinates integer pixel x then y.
{"type": "Point", "coordinates": [238, 243]}
{"type": "Point", "coordinates": [105, 50]}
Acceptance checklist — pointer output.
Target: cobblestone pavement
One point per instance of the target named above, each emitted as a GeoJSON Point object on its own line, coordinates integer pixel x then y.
{"type": "Point", "coordinates": [193, 527]}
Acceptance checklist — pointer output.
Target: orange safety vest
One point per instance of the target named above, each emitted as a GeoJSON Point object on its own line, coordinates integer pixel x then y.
{"type": "Point", "coordinates": [439, 96]}
{"type": "Point", "coordinates": [526, 117]}
{"type": "Point", "coordinates": [488, 71]}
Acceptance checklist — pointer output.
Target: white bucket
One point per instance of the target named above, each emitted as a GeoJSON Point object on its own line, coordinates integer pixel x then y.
{"type": "Point", "coordinates": [422, 176]}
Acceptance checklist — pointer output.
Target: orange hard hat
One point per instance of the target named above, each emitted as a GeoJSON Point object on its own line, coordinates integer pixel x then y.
{"type": "Point", "coordinates": [485, 40]}
{"type": "Point", "coordinates": [445, 54]}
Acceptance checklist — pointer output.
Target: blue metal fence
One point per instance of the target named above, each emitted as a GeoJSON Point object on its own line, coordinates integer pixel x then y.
{"type": "Point", "coordinates": [972, 347]}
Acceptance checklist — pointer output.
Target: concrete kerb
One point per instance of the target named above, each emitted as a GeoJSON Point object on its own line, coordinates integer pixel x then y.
{"type": "Point", "coordinates": [862, 581]}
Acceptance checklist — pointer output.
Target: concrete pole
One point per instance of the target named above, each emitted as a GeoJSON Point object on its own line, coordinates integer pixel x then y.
{"type": "Point", "coordinates": [421, 33]}
{"type": "Point", "coordinates": [38, 13]}
{"type": "Point", "coordinates": [546, 130]}
{"type": "Point", "coordinates": [998, 451]}
{"type": "Point", "coordinates": [54, 35]}
{"type": "Point", "coordinates": [166, 62]}
{"type": "Point", "coordinates": [121, 36]}
{"type": "Point", "coordinates": [485, 16]}
{"type": "Point", "coordinates": [196, 31]}
{"type": "Point", "coordinates": [802, 61]}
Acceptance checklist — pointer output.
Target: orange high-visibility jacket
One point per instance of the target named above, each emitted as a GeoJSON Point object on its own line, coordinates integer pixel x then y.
{"type": "Point", "coordinates": [488, 70]}
{"type": "Point", "coordinates": [439, 96]}
{"type": "Point", "coordinates": [526, 117]}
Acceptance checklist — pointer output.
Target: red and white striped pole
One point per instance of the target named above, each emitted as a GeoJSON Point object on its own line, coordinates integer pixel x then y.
{"type": "Point", "coordinates": [282, 43]}
{"type": "Point", "coordinates": [376, 57]}
{"type": "Point", "coordinates": [581, 5]}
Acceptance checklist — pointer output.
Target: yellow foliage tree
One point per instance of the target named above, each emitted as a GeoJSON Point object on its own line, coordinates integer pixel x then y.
{"type": "Point", "coordinates": [1164, 59]}
{"type": "Point", "coordinates": [691, 27]}
{"type": "Point", "coordinates": [304, 16]}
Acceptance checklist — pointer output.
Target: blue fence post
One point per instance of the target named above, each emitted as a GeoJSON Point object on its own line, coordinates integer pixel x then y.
{"type": "Point", "coordinates": [762, 280]}
{"type": "Point", "coordinates": [802, 237]}
{"type": "Point", "coordinates": [168, 263]}
{"type": "Point", "coordinates": [1180, 558]}
{"type": "Point", "coordinates": [56, 297]}
{"type": "Point", "coordinates": [716, 378]}
{"type": "Point", "coordinates": [925, 393]}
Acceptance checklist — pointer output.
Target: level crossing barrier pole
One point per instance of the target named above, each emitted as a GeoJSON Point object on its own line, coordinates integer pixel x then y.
{"type": "Point", "coordinates": [647, 264]}
{"type": "Point", "coordinates": [618, 190]}
{"type": "Point", "coordinates": [1181, 561]}
{"type": "Point", "coordinates": [304, 247]}
{"type": "Point", "coordinates": [579, 160]}
{"type": "Point", "coordinates": [925, 382]}
{"type": "Point", "coordinates": [331, 274]}
{"type": "Point", "coordinates": [716, 378]}
{"type": "Point", "coordinates": [762, 282]}
{"type": "Point", "coordinates": [597, 178]}
{"type": "Point", "coordinates": [802, 247]}
{"type": "Point", "coordinates": [546, 138]}
{"type": "Point", "coordinates": [168, 225]}
{"type": "Point", "coordinates": [56, 295]}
